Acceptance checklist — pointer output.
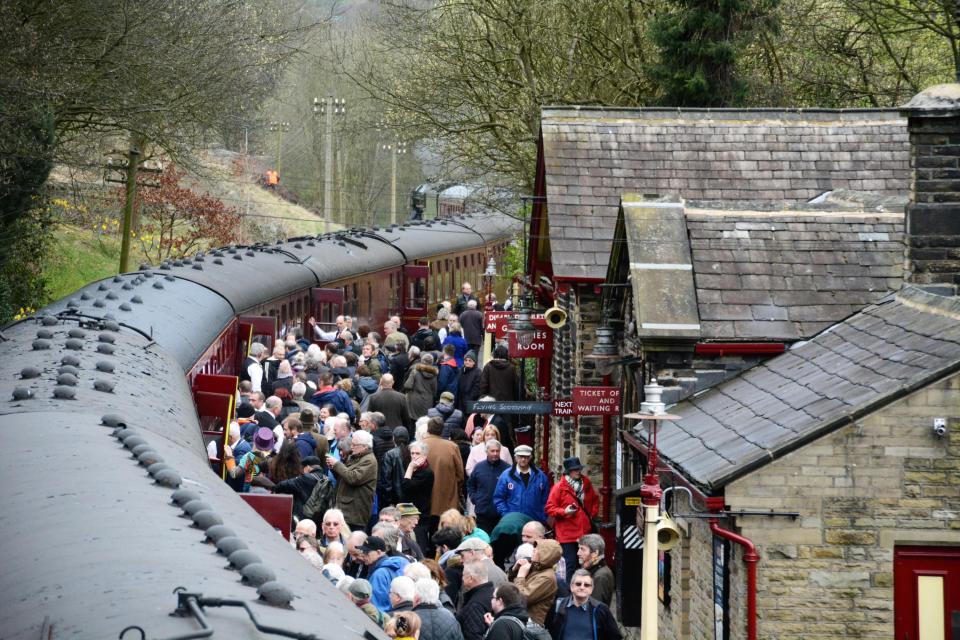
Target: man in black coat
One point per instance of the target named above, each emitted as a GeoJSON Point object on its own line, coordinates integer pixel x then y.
{"type": "Point", "coordinates": [466, 295]}
{"type": "Point", "coordinates": [472, 322]}
{"type": "Point", "coordinates": [507, 602]}
{"type": "Point", "coordinates": [392, 404]}
{"type": "Point", "coordinates": [423, 335]}
{"type": "Point", "coordinates": [477, 593]}
{"type": "Point", "coordinates": [468, 385]}
{"type": "Point", "coordinates": [399, 363]}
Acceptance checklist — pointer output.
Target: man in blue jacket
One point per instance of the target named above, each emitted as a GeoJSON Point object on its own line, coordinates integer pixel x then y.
{"type": "Point", "coordinates": [382, 569]}
{"type": "Point", "coordinates": [483, 482]}
{"type": "Point", "coordinates": [328, 394]}
{"type": "Point", "coordinates": [522, 488]}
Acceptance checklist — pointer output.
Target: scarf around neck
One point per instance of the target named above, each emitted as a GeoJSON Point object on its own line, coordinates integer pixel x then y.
{"type": "Point", "coordinates": [577, 486]}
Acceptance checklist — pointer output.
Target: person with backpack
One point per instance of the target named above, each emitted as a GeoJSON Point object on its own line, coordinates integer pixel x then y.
{"type": "Point", "coordinates": [312, 491]}
{"type": "Point", "coordinates": [509, 618]}
{"type": "Point", "coordinates": [580, 616]}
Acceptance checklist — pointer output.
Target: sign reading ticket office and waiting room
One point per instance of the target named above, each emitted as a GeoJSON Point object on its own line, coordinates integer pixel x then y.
{"type": "Point", "coordinates": [589, 401]}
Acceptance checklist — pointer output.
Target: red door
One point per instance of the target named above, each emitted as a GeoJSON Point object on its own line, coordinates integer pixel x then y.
{"type": "Point", "coordinates": [414, 295]}
{"type": "Point", "coordinates": [327, 305]}
{"type": "Point", "coordinates": [214, 398]}
{"type": "Point", "coordinates": [926, 593]}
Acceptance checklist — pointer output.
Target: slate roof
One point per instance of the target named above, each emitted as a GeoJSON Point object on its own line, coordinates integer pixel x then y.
{"type": "Point", "coordinates": [788, 275]}
{"type": "Point", "coordinates": [593, 155]}
{"type": "Point", "coordinates": [901, 344]}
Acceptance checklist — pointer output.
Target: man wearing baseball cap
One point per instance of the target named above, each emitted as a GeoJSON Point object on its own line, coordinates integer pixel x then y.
{"type": "Point", "coordinates": [522, 488]}
{"type": "Point", "coordinates": [382, 569]}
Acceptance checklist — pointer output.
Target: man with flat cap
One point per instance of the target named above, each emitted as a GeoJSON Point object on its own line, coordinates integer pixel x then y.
{"type": "Point", "coordinates": [573, 503]}
{"type": "Point", "coordinates": [522, 488]}
{"type": "Point", "coordinates": [409, 519]}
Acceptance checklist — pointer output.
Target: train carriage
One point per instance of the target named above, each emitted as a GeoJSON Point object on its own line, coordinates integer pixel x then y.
{"type": "Point", "coordinates": [113, 392]}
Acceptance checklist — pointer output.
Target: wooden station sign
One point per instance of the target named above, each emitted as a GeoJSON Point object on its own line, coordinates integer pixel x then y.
{"type": "Point", "coordinates": [497, 322]}
{"type": "Point", "coordinates": [597, 401]}
{"type": "Point", "coordinates": [589, 401]}
{"type": "Point", "coordinates": [536, 343]}
{"type": "Point", "coordinates": [522, 407]}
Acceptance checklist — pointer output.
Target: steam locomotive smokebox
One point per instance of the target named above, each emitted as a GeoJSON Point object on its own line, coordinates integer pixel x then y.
{"type": "Point", "coordinates": [629, 562]}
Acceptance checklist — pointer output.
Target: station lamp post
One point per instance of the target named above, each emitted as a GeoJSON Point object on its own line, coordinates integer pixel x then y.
{"type": "Point", "coordinates": [652, 413]}
{"type": "Point", "coordinates": [488, 277]}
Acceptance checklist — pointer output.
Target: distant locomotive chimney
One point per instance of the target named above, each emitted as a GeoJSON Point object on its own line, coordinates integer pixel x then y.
{"type": "Point", "coordinates": [933, 214]}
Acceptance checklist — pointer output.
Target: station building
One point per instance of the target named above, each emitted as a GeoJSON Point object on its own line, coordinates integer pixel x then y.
{"type": "Point", "coordinates": [790, 277]}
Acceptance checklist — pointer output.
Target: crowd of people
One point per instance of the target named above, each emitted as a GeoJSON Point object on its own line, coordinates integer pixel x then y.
{"type": "Point", "coordinates": [429, 518]}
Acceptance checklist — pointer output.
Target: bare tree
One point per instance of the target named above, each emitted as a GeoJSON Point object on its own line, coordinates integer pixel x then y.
{"type": "Point", "coordinates": [473, 74]}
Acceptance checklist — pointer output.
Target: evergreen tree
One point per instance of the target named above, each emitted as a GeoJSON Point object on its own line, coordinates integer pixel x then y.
{"type": "Point", "coordinates": [699, 41]}
{"type": "Point", "coordinates": [26, 158]}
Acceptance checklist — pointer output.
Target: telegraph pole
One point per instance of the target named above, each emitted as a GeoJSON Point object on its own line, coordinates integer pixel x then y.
{"type": "Point", "coordinates": [279, 127]}
{"type": "Point", "coordinates": [131, 195]}
{"type": "Point", "coordinates": [399, 148]}
{"type": "Point", "coordinates": [328, 107]}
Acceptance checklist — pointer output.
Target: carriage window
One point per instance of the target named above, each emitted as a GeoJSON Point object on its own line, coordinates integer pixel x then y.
{"type": "Point", "coordinates": [417, 293]}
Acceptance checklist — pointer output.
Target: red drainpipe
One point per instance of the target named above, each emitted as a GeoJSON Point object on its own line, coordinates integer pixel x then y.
{"type": "Point", "coordinates": [750, 557]}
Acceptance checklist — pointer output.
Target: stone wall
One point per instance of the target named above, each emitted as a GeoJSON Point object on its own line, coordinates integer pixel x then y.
{"type": "Point", "coordinates": [884, 480]}
{"type": "Point", "coordinates": [571, 344]}
{"type": "Point", "coordinates": [933, 215]}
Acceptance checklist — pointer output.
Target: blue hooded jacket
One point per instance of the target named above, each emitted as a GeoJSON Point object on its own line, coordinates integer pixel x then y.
{"type": "Point", "coordinates": [511, 495]}
{"type": "Point", "coordinates": [338, 398]}
{"type": "Point", "coordinates": [449, 377]}
{"type": "Point", "coordinates": [381, 575]}
{"type": "Point", "coordinates": [459, 343]}
{"type": "Point", "coordinates": [306, 445]}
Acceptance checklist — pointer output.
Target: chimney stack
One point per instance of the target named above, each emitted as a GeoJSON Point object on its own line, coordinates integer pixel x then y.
{"type": "Point", "coordinates": [933, 214]}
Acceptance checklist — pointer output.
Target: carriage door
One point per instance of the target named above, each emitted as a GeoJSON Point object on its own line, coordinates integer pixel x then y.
{"type": "Point", "coordinates": [214, 397]}
{"type": "Point", "coordinates": [250, 329]}
{"type": "Point", "coordinates": [926, 593]}
{"type": "Point", "coordinates": [326, 305]}
{"type": "Point", "coordinates": [414, 295]}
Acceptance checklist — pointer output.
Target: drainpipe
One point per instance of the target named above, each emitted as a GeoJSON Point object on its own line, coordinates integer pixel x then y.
{"type": "Point", "coordinates": [750, 557]}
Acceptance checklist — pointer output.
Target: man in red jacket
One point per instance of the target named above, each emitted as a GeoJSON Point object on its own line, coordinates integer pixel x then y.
{"type": "Point", "coordinates": [573, 503]}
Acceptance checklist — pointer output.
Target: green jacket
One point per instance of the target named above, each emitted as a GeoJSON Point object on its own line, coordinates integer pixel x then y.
{"type": "Point", "coordinates": [356, 485]}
